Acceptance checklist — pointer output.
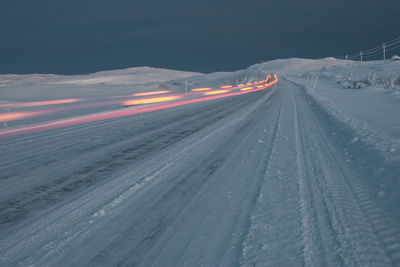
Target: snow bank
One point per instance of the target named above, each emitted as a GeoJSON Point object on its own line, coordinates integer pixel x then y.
{"type": "Point", "coordinates": [348, 74]}
{"type": "Point", "coordinates": [395, 58]}
{"type": "Point", "coordinates": [369, 115]}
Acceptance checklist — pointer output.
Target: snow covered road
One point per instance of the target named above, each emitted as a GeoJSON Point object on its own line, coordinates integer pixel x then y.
{"type": "Point", "coordinates": [261, 178]}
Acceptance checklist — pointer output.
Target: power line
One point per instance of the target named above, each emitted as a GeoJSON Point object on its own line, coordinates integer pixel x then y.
{"type": "Point", "coordinates": [372, 49]}
{"type": "Point", "coordinates": [393, 48]}
{"type": "Point", "coordinates": [373, 52]}
{"type": "Point", "coordinates": [376, 52]}
{"type": "Point", "coordinates": [393, 44]}
{"type": "Point", "coordinates": [394, 40]}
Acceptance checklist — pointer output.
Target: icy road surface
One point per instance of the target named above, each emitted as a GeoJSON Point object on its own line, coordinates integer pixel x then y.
{"type": "Point", "coordinates": [264, 178]}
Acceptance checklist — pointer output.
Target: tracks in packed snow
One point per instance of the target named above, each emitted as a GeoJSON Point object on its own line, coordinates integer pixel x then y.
{"type": "Point", "coordinates": [76, 158]}
{"type": "Point", "coordinates": [314, 208]}
{"type": "Point", "coordinates": [339, 231]}
{"type": "Point", "coordinates": [255, 179]}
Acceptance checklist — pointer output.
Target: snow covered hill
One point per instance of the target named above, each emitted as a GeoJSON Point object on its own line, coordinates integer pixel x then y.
{"type": "Point", "coordinates": [302, 172]}
{"type": "Point", "coordinates": [45, 86]}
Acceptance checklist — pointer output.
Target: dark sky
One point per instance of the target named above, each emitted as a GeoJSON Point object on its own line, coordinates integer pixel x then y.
{"type": "Point", "coordinates": [82, 36]}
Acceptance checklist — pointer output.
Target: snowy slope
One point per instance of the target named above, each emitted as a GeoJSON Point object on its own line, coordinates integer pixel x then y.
{"type": "Point", "coordinates": [130, 76]}
{"type": "Point", "coordinates": [364, 95]}
{"type": "Point", "coordinates": [105, 83]}
{"type": "Point", "coordinates": [302, 173]}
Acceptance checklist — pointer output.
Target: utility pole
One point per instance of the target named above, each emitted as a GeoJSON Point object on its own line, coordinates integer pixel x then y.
{"type": "Point", "coordinates": [346, 57]}
{"type": "Point", "coordinates": [315, 83]}
{"type": "Point", "coordinates": [361, 55]}
{"type": "Point", "coordinates": [186, 87]}
{"type": "Point", "coordinates": [384, 51]}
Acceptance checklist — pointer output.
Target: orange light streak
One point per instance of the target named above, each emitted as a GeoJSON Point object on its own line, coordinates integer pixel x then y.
{"type": "Point", "coordinates": [41, 103]}
{"type": "Point", "coordinates": [119, 113]}
{"type": "Point", "coordinates": [226, 86]}
{"type": "Point", "coordinates": [246, 88]}
{"type": "Point", "coordinates": [150, 100]}
{"type": "Point", "coordinates": [151, 93]}
{"type": "Point", "coordinates": [216, 92]}
{"type": "Point", "coordinates": [201, 89]}
{"type": "Point", "coordinates": [12, 116]}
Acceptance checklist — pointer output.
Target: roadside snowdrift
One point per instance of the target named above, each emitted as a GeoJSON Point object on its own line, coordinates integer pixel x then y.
{"type": "Point", "coordinates": [372, 113]}
{"type": "Point", "coordinates": [348, 74]}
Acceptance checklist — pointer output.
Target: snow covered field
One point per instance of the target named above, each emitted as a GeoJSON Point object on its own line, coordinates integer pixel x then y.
{"type": "Point", "coordinates": [302, 172]}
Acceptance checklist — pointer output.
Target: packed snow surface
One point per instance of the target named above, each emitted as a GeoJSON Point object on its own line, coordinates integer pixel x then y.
{"type": "Point", "coordinates": [305, 172]}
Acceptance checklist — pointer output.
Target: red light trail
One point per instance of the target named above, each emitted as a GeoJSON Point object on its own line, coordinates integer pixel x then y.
{"type": "Point", "coordinates": [173, 101]}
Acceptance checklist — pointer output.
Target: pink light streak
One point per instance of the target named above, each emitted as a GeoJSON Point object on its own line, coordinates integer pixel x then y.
{"type": "Point", "coordinates": [121, 113]}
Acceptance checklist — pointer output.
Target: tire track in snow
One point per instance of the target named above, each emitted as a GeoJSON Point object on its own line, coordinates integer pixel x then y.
{"type": "Point", "coordinates": [334, 220]}
{"type": "Point", "coordinates": [310, 248]}
{"type": "Point", "coordinates": [359, 243]}
{"type": "Point", "coordinates": [274, 236]}
{"type": "Point", "coordinates": [44, 232]}
{"type": "Point", "coordinates": [257, 195]}
{"type": "Point", "coordinates": [40, 143]}
{"type": "Point", "coordinates": [231, 204]}
{"type": "Point", "coordinates": [350, 228]}
{"type": "Point", "coordinates": [321, 244]}
{"type": "Point", "coordinates": [374, 238]}
{"type": "Point", "coordinates": [190, 185]}
{"type": "Point", "coordinates": [107, 161]}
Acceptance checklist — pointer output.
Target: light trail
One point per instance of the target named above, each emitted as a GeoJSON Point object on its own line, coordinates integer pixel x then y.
{"type": "Point", "coordinates": [201, 89]}
{"type": "Point", "coordinates": [150, 100]}
{"type": "Point", "coordinates": [216, 92]}
{"type": "Point", "coordinates": [12, 116]}
{"type": "Point", "coordinates": [246, 88]}
{"type": "Point", "coordinates": [226, 86]}
{"type": "Point", "coordinates": [152, 93]}
{"type": "Point", "coordinates": [41, 103]}
{"type": "Point", "coordinates": [125, 113]}
{"type": "Point", "coordinates": [142, 94]}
